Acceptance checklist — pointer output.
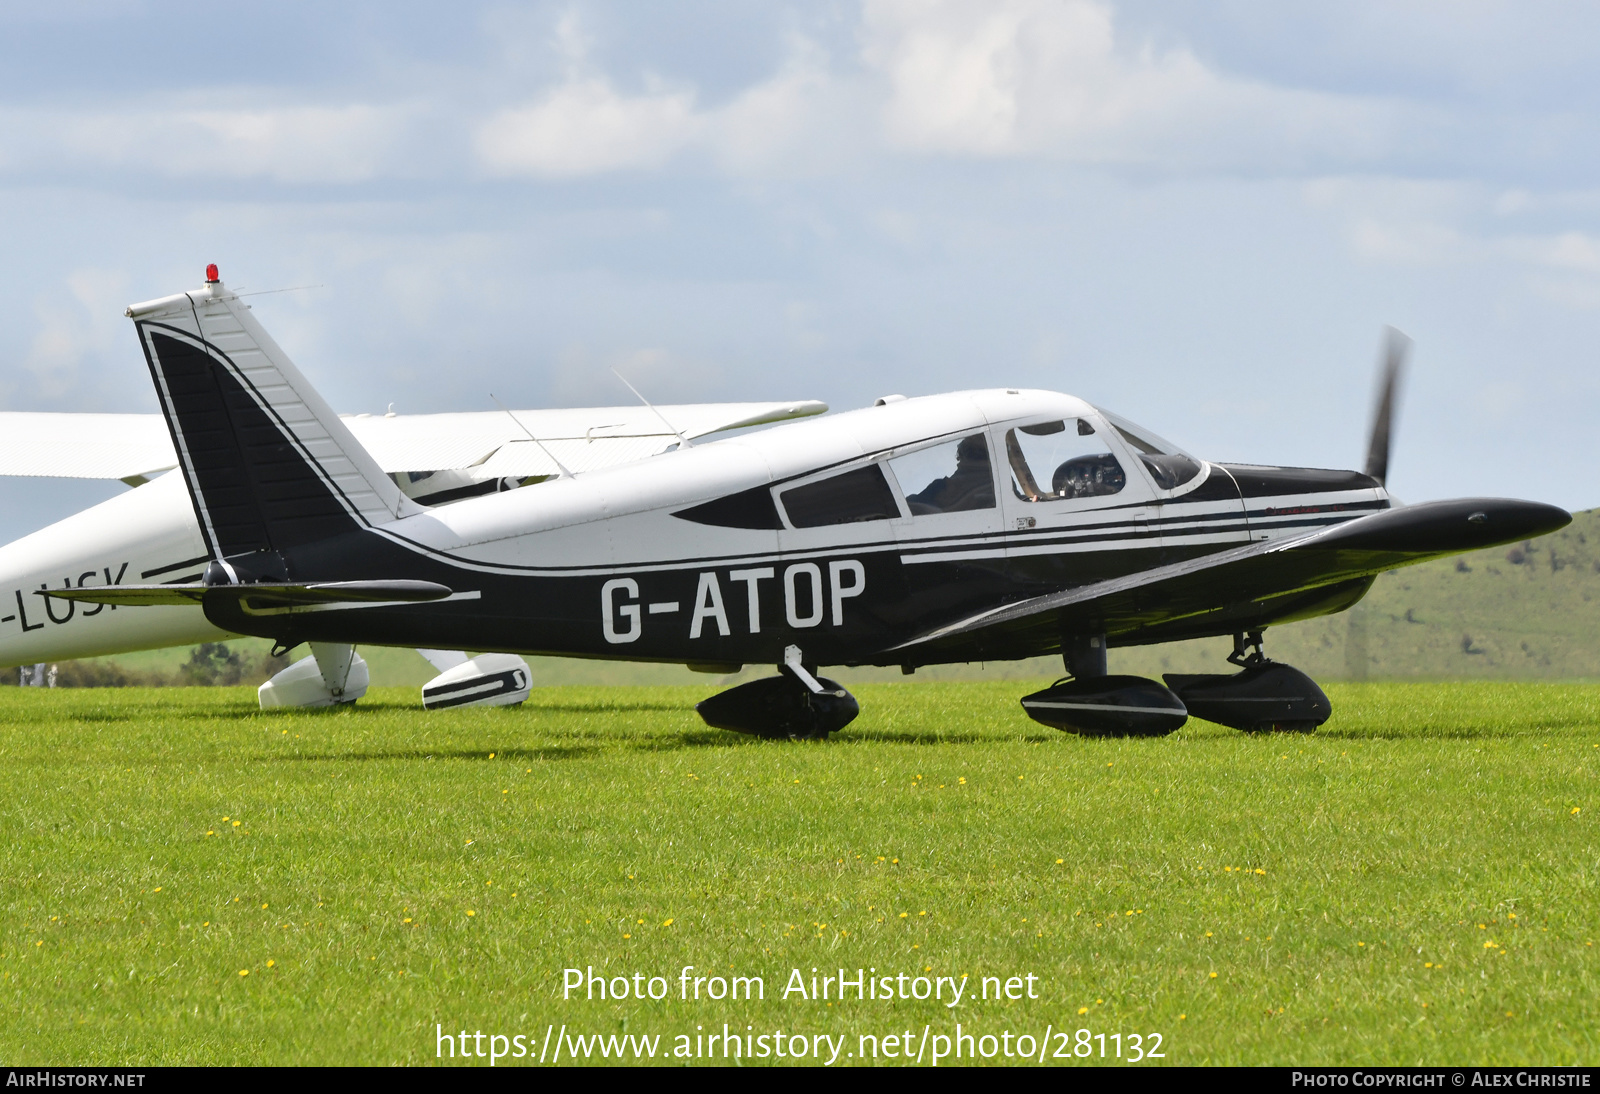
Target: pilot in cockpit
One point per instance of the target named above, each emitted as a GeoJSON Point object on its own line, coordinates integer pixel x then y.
{"type": "Point", "coordinates": [970, 486]}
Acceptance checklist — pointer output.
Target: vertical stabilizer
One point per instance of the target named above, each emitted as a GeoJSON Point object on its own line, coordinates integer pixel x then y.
{"type": "Point", "coordinates": [269, 465]}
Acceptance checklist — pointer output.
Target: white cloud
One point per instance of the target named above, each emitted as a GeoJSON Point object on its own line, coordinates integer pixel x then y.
{"type": "Point", "coordinates": [293, 144]}
{"type": "Point", "coordinates": [805, 119]}
{"type": "Point", "coordinates": [1574, 251]}
{"type": "Point", "coordinates": [802, 118]}
{"type": "Point", "coordinates": [1021, 79]}
{"type": "Point", "coordinates": [76, 325]}
{"type": "Point", "coordinates": [1401, 222]}
{"type": "Point", "coordinates": [585, 127]}
{"type": "Point", "coordinates": [1048, 78]}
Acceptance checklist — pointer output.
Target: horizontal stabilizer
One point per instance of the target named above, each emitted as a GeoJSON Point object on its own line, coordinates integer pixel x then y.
{"type": "Point", "coordinates": [266, 595]}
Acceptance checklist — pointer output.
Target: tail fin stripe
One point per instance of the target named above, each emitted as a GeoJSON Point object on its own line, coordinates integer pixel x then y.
{"type": "Point", "coordinates": [255, 484]}
{"type": "Point", "coordinates": [268, 463]}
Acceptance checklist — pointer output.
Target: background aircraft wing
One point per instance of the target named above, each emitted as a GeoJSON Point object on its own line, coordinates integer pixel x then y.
{"type": "Point", "coordinates": [133, 447]}
{"type": "Point", "coordinates": [497, 443]}
{"type": "Point", "coordinates": [130, 447]}
{"type": "Point", "coordinates": [1242, 588]}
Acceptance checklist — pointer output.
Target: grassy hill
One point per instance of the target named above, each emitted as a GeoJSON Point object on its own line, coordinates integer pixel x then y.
{"type": "Point", "coordinates": [1528, 611]}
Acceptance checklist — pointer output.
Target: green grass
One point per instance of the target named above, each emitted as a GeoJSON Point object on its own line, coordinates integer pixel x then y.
{"type": "Point", "coordinates": [1289, 893]}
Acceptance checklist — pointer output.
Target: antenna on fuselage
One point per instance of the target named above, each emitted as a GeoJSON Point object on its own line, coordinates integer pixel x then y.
{"type": "Point", "coordinates": [563, 467]}
{"type": "Point", "coordinates": [682, 440]}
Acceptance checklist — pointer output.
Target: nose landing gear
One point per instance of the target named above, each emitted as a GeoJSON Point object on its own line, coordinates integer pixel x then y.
{"type": "Point", "coordinates": [1264, 696]}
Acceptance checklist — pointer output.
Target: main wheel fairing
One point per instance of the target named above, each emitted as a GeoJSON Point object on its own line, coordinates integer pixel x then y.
{"type": "Point", "coordinates": [1108, 706]}
{"type": "Point", "coordinates": [780, 706]}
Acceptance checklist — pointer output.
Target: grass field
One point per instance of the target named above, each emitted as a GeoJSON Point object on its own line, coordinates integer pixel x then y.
{"type": "Point", "coordinates": [189, 880]}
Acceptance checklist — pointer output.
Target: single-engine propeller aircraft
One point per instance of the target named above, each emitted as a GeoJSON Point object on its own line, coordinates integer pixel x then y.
{"type": "Point", "coordinates": [978, 525]}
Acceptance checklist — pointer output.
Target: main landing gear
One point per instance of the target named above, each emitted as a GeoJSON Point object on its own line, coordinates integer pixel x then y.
{"type": "Point", "coordinates": [796, 704]}
{"type": "Point", "coordinates": [1263, 696]}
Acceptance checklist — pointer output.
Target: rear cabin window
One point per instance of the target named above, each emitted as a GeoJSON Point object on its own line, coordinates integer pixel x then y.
{"type": "Point", "coordinates": [948, 478]}
{"type": "Point", "coordinates": [1060, 460]}
{"type": "Point", "coordinates": [850, 498]}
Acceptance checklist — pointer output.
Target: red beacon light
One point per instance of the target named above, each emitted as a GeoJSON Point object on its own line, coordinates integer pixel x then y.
{"type": "Point", "coordinates": [212, 277]}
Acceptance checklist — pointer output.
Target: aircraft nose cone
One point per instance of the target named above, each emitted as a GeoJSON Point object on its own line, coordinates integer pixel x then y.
{"type": "Point", "coordinates": [1503, 519]}
{"type": "Point", "coordinates": [1460, 524]}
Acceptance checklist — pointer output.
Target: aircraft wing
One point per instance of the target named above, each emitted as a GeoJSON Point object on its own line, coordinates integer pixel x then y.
{"type": "Point", "coordinates": [130, 447]}
{"type": "Point", "coordinates": [498, 443]}
{"type": "Point", "coordinates": [133, 447]}
{"type": "Point", "coordinates": [1245, 583]}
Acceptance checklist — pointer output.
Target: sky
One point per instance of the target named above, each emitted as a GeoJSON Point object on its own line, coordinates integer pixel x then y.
{"type": "Point", "coordinates": [1200, 216]}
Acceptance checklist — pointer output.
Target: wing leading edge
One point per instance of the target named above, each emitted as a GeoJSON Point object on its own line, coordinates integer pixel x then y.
{"type": "Point", "coordinates": [1245, 587]}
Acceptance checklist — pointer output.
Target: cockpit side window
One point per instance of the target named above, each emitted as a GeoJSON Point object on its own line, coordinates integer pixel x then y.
{"type": "Point", "coordinates": [954, 477]}
{"type": "Point", "coordinates": [1059, 460]}
{"type": "Point", "coordinates": [859, 495]}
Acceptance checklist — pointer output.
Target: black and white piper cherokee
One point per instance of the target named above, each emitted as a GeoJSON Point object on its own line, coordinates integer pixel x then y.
{"type": "Point", "coordinates": [977, 525]}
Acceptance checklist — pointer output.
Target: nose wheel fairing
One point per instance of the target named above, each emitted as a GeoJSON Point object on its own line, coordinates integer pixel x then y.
{"type": "Point", "coordinates": [1262, 697]}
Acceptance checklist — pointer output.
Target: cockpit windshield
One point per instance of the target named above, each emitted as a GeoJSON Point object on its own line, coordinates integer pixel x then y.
{"type": "Point", "coordinates": [1168, 464]}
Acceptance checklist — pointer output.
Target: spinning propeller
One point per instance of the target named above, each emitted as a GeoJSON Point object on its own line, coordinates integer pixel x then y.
{"type": "Point", "coordinates": [1395, 347]}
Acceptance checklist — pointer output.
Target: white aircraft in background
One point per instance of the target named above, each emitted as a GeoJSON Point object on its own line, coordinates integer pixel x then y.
{"type": "Point", "coordinates": [150, 534]}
